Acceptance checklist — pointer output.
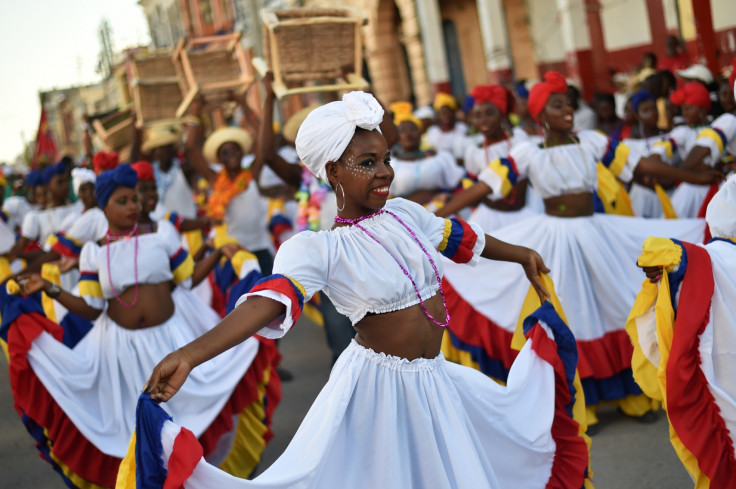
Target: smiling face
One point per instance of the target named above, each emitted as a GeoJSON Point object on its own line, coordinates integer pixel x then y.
{"type": "Point", "coordinates": [488, 119]}
{"type": "Point", "coordinates": [147, 195]}
{"type": "Point", "coordinates": [122, 209]}
{"type": "Point", "coordinates": [558, 113]}
{"type": "Point", "coordinates": [365, 174]}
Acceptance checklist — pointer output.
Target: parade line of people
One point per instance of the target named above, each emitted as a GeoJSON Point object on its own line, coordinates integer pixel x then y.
{"type": "Point", "coordinates": [488, 273]}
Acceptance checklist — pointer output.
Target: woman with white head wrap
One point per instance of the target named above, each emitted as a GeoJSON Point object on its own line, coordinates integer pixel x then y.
{"type": "Point", "coordinates": [683, 327]}
{"type": "Point", "coordinates": [394, 414]}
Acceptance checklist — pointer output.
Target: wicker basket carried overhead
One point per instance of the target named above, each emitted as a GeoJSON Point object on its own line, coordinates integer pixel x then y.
{"type": "Point", "coordinates": [156, 90]}
{"type": "Point", "coordinates": [212, 66]}
{"type": "Point", "coordinates": [312, 45]}
{"type": "Point", "coordinates": [115, 130]}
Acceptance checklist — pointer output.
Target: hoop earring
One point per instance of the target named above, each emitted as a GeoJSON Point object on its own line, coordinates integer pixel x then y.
{"type": "Point", "coordinates": [545, 126]}
{"type": "Point", "coordinates": [340, 209]}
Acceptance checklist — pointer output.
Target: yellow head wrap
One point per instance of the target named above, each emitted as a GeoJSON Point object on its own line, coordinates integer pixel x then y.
{"type": "Point", "coordinates": [444, 100]}
{"type": "Point", "coordinates": [403, 112]}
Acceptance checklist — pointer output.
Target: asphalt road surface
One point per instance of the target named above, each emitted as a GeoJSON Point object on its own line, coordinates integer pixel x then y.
{"type": "Point", "coordinates": [625, 453]}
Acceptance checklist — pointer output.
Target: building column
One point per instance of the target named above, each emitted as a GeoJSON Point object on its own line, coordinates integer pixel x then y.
{"type": "Point", "coordinates": [705, 34]}
{"type": "Point", "coordinates": [495, 44]}
{"type": "Point", "coordinates": [600, 80]}
{"type": "Point", "coordinates": [657, 26]}
{"type": "Point", "coordinates": [430, 30]}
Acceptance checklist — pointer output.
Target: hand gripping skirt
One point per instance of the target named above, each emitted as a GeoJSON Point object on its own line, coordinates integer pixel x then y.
{"type": "Point", "coordinates": [79, 402]}
{"type": "Point", "coordinates": [383, 421]}
{"type": "Point", "coordinates": [592, 261]}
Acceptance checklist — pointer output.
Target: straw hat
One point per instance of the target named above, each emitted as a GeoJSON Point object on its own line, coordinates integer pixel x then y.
{"type": "Point", "coordinates": [226, 135]}
{"type": "Point", "coordinates": [295, 121]}
{"type": "Point", "coordinates": [161, 135]}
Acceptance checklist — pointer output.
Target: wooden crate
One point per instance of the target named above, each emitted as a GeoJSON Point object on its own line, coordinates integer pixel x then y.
{"type": "Point", "coordinates": [305, 45]}
{"type": "Point", "coordinates": [155, 87]}
{"type": "Point", "coordinates": [212, 66]}
{"type": "Point", "coordinates": [115, 130]}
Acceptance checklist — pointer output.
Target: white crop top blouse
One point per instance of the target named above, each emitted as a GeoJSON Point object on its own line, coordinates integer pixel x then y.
{"type": "Point", "coordinates": [160, 259]}
{"type": "Point", "coordinates": [560, 170]}
{"type": "Point", "coordinates": [358, 274]}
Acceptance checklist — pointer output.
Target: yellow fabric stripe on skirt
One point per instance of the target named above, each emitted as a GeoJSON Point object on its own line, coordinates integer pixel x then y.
{"type": "Point", "coordinates": [664, 200]}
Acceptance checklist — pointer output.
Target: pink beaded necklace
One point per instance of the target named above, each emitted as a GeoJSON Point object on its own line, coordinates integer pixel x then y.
{"type": "Point", "coordinates": [125, 236]}
{"type": "Point", "coordinates": [356, 222]}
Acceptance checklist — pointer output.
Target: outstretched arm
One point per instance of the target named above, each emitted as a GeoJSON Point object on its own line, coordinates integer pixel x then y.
{"type": "Point", "coordinates": [469, 197]}
{"type": "Point", "coordinates": [653, 165]}
{"type": "Point", "coordinates": [530, 260]}
{"type": "Point", "coordinates": [243, 322]}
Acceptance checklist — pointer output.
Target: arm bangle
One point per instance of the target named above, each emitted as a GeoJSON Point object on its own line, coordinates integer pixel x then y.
{"type": "Point", "coordinates": [189, 359]}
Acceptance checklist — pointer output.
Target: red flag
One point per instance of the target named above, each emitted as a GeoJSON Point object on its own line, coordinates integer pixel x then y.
{"type": "Point", "coordinates": [45, 148]}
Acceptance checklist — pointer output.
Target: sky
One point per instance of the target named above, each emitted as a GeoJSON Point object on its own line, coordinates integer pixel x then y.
{"type": "Point", "coordinates": [50, 44]}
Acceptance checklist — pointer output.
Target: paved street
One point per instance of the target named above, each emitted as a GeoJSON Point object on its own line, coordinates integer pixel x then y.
{"type": "Point", "coordinates": [625, 455]}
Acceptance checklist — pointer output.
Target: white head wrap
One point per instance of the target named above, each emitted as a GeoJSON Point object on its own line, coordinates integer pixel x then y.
{"type": "Point", "coordinates": [721, 212]}
{"type": "Point", "coordinates": [326, 132]}
{"type": "Point", "coordinates": [80, 176]}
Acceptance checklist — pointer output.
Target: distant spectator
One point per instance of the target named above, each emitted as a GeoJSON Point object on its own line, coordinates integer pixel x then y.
{"type": "Point", "coordinates": [604, 105]}
{"type": "Point", "coordinates": [649, 60]}
{"type": "Point", "coordinates": [676, 57]}
{"type": "Point", "coordinates": [584, 116]}
{"type": "Point", "coordinates": [726, 96]}
{"type": "Point", "coordinates": [701, 73]}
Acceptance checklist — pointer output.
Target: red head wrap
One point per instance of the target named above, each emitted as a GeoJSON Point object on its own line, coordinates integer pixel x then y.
{"type": "Point", "coordinates": [144, 170]}
{"type": "Point", "coordinates": [493, 94]}
{"type": "Point", "coordinates": [732, 77]}
{"type": "Point", "coordinates": [104, 161]}
{"type": "Point", "coordinates": [553, 83]}
{"type": "Point", "coordinates": [693, 93]}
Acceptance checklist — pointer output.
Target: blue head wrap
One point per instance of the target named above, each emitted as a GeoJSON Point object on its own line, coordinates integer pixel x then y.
{"type": "Point", "coordinates": [108, 181]}
{"type": "Point", "coordinates": [33, 179]}
{"type": "Point", "coordinates": [51, 171]}
{"type": "Point", "coordinates": [468, 103]}
{"type": "Point", "coordinates": [521, 90]}
{"type": "Point", "coordinates": [639, 97]}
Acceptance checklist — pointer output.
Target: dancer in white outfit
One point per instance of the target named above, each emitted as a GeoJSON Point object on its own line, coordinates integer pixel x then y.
{"type": "Point", "coordinates": [394, 414]}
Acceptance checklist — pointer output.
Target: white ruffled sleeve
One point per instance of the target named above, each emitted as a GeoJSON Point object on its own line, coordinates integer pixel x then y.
{"type": "Point", "coordinates": [717, 137]}
{"type": "Point", "coordinates": [89, 280]}
{"type": "Point", "coordinates": [31, 228]}
{"type": "Point", "coordinates": [299, 271]}
{"type": "Point", "coordinates": [456, 239]}
{"type": "Point", "coordinates": [503, 173]}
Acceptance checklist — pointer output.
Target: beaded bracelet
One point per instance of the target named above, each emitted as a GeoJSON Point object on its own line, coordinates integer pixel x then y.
{"type": "Point", "coordinates": [189, 359]}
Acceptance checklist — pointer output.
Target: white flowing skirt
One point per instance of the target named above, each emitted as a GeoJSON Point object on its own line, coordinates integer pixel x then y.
{"type": "Point", "coordinates": [688, 198]}
{"type": "Point", "coordinates": [97, 383]}
{"type": "Point", "coordinates": [592, 261]}
{"type": "Point", "coordinates": [387, 422]}
{"type": "Point", "coordinates": [645, 202]}
{"type": "Point", "coordinates": [491, 220]}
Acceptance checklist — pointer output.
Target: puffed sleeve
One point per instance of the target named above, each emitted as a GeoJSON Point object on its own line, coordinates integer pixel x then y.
{"type": "Point", "coordinates": [90, 227]}
{"type": "Point", "coordinates": [30, 228]}
{"type": "Point", "coordinates": [456, 239]}
{"type": "Point", "coordinates": [615, 155]}
{"type": "Point", "coordinates": [717, 137]}
{"type": "Point", "coordinates": [450, 172]}
{"type": "Point", "coordinates": [180, 261]}
{"type": "Point", "coordinates": [299, 271]}
{"type": "Point", "coordinates": [503, 173]}
{"type": "Point", "coordinates": [89, 280]}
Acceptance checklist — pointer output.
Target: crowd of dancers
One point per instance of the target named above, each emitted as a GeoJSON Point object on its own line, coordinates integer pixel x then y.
{"type": "Point", "coordinates": [141, 307]}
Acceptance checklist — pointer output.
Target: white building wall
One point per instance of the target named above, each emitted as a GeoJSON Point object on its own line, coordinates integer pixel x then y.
{"type": "Point", "coordinates": [724, 14]}
{"type": "Point", "coordinates": [544, 20]}
{"type": "Point", "coordinates": [573, 25]}
{"type": "Point", "coordinates": [671, 21]}
{"type": "Point", "coordinates": [625, 23]}
{"type": "Point", "coordinates": [430, 27]}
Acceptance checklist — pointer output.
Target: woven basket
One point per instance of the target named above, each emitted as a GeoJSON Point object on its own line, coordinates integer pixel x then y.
{"type": "Point", "coordinates": [115, 130]}
{"type": "Point", "coordinates": [307, 44]}
{"type": "Point", "coordinates": [156, 101]}
{"type": "Point", "coordinates": [156, 66]}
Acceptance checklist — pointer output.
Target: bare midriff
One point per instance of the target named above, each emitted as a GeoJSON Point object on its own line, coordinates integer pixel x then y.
{"type": "Point", "coordinates": [571, 205]}
{"type": "Point", "coordinates": [153, 307]}
{"type": "Point", "coordinates": [407, 333]}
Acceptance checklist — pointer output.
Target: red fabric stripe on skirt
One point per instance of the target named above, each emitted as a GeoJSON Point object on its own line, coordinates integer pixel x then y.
{"type": "Point", "coordinates": [691, 408]}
